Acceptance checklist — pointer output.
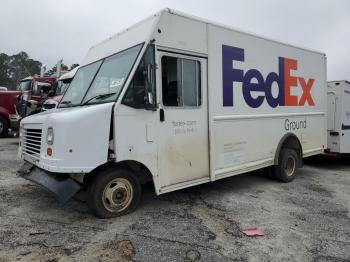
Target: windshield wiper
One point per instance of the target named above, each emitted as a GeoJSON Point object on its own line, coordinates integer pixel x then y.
{"type": "Point", "coordinates": [66, 103]}
{"type": "Point", "coordinates": [100, 96]}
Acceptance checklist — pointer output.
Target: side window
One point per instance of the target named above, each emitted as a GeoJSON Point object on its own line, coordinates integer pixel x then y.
{"type": "Point", "coordinates": [181, 85]}
{"type": "Point", "coordinates": [141, 91]}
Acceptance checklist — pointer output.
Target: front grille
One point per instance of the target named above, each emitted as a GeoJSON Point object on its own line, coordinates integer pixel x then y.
{"type": "Point", "coordinates": [31, 142]}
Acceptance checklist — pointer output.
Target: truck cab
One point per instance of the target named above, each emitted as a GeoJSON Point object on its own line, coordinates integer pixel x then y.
{"type": "Point", "coordinates": [34, 90]}
{"type": "Point", "coordinates": [62, 85]}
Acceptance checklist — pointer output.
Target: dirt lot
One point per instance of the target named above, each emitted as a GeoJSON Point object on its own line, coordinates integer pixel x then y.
{"type": "Point", "coordinates": [307, 220]}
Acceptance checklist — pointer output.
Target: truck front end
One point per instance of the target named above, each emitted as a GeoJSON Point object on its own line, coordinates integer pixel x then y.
{"type": "Point", "coordinates": [61, 146]}
{"type": "Point", "coordinates": [57, 148]}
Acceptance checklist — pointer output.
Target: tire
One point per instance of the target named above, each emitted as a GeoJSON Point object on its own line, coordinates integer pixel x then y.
{"type": "Point", "coordinates": [285, 171]}
{"type": "Point", "coordinates": [4, 126]}
{"type": "Point", "coordinates": [113, 193]}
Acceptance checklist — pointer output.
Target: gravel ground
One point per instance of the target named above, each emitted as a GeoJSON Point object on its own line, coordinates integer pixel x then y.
{"type": "Point", "coordinates": [306, 220]}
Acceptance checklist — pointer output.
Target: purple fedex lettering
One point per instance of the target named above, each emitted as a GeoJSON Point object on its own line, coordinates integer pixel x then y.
{"type": "Point", "coordinates": [230, 75]}
{"type": "Point", "coordinates": [254, 82]}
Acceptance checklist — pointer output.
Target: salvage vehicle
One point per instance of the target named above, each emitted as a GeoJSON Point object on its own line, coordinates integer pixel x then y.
{"type": "Point", "coordinates": [338, 118]}
{"type": "Point", "coordinates": [34, 90]}
{"type": "Point", "coordinates": [62, 85]}
{"type": "Point", "coordinates": [14, 105]}
{"type": "Point", "coordinates": [178, 101]}
{"type": "Point", "coordinates": [8, 115]}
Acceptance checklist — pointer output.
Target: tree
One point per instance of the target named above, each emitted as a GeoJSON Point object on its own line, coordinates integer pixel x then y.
{"type": "Point", "coordinates": [16, 67]}
{"type": "Point", "coordinates": [53, 70]}
{"type": "Point", "coordinates": [73, 66]}
{"type": "Point", "coordinates": [5, 79]}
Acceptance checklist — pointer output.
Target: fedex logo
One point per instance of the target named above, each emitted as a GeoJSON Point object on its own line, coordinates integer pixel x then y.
{"type": "Point", "coordinates": [254, 82]}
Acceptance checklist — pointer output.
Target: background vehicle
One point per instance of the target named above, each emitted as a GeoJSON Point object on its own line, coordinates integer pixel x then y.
{"type": "Point", "coordinates": [338, 116]}
{"type": "Point", "coordinates": [8, 115]}
{"type": "Point", "coordinates": [24, 101]}
{"type": "Point", "coordinates": [34, 90]}
{"type": "Point", "coordinates": [62, 85]}
{"type": "Point", "coordinates": [178, 101]}
{"type": "Point", "coordinates": [2, 88]}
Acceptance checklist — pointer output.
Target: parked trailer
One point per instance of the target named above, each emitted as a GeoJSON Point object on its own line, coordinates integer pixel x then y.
{"type": "Point", "coordinates": [179, 101]}
{"type": "Point", "coordinates": [338, 116]}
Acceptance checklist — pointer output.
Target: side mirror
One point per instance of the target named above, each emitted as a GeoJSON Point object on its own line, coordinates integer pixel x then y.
{"type": "Point", "coordinates": [150, 98]}
{"type": "Point", "coordinates": [51, 93]}
{"type": "Point", "coordinates": [150, 73]}
{"type": "Point", "coordinates": [149, 76]}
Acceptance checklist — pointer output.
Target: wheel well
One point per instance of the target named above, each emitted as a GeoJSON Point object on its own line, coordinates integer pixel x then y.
{"type": "Point", "coordinates": [6, 119]}
{"type": "Point", "coordinates": [138, 168]}
{"type": "Point", "coordinates": [290, 141]}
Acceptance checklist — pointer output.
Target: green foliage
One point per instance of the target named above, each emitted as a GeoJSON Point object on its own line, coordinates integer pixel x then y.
{"type": "Point", "coordinates": [18, 66]}
{"type": "Point", "coordinates": [53, 70]}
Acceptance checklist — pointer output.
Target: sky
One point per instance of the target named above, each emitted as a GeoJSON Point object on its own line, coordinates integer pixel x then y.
{"type": "Point", "coordinates": [49, 30]}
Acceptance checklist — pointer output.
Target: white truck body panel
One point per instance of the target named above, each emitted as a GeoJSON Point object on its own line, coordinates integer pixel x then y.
{"type": "Point", "coordinates": [81, 138]}
{"type": "Point", "coordinates": [225, 135]}
{"type": "Point", "coordinates": [243, 137]}
{"type": "Point", "coordinates": [338, 116]}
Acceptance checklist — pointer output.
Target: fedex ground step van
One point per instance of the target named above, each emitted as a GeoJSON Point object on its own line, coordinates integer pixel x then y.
{"type": "Point", "coordinates": [338, 117]}
{"type": "Point", "coordinates": [179, 101]}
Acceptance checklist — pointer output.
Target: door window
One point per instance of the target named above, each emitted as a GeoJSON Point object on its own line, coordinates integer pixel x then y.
{"type": "Point", "coordinates": [141, 91]}
{"type": "Point", "coordinates": [181, 82]}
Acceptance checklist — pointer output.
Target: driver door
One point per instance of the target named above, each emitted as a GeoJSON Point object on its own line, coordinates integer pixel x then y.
{"type": "Point", "coordinates": [183, 125]}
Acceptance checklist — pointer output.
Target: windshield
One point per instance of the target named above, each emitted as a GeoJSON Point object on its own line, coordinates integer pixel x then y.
{"type": "Point", "coordinates": [62, 86]}
{"type": "Point", "coordinates": [41, 88]}
{"type": "Point", "coordinates": [106, 76]}
{"type": "Point", "coordinates": [24, 85]}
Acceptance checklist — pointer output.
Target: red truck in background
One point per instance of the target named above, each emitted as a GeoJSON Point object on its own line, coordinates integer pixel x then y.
{"type": "Point", "coordinates": [14, 105]}
{"type": "Point", "coordinates": [8, 100]}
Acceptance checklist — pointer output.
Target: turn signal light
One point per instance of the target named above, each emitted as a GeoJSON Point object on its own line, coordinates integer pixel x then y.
{"type": "Point", "coordinates": [49, 151]}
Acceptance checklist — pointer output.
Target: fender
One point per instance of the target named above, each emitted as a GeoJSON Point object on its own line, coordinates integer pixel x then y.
{"type": "Point", "coordinates": [4, 112]}
{"type": "Point", "coordinates": [293, 142]}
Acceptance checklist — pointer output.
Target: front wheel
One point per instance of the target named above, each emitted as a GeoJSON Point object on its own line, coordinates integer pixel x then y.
{"type": "Point", "coordinates": [3, 127]}
{"type": "Point", "coordinates": [113, 193]}
{"type": "Point", "coordinates": [285, 171]}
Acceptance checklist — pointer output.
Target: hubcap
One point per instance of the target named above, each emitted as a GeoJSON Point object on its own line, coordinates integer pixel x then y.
{"type": "Point", "coordinates": [290, 166]}
{"type": "Point", "coordinates": [117, 195]}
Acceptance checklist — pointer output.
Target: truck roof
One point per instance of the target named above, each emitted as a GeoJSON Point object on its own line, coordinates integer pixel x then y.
{"type": "Point", "coordinates": [207, 21]}
{"type": "Point", "coordinates": [151, 27]}
{"type": "Point", "coordinates": [47, 79]}
{"type": "Point", "coordinates": [338, 81]}
{"type": "Point", "coordinates": [70, 74]}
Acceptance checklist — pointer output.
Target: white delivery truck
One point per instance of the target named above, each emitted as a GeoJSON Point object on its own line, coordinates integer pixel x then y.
{"type": "Point", "coordinates": [338, 118]}
{"type": "Point", "coordinates": [179, 101]}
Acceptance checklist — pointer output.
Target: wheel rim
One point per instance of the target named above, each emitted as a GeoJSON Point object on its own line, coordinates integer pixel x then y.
{"type": "Point", "coordinates": [290, 166]}
{"type": "Point", "coordinates": [117, 195]}
{"type": "Point", "coordinates": [1, 127]}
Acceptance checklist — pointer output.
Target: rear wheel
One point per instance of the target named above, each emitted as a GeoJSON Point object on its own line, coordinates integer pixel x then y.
{"type": "Point", "coordinates": [114, 192]}
{"type": "Point", "coordinates": [285, 171]}
{"type": "Point", "coordinates": [3, 127]}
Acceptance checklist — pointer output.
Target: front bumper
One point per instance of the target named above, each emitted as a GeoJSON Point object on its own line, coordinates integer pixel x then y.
{"type": "Point", "coordinates": [15, 121]}
{"type": "Point", "coordinates": [62, 186]}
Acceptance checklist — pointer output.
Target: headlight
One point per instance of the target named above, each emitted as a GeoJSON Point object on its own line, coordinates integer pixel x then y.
{"type": "Point", "coordinates": [49, 136]}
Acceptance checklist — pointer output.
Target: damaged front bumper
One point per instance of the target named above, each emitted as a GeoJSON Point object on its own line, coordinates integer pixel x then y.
{"type": "Point", "coordinates": [62, 186]}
